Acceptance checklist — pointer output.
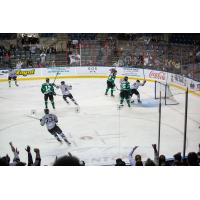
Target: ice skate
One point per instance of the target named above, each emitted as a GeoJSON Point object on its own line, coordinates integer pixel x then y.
{"type": "Point", "coordinates": [120, 106]}
{"type": "Point", "coordinates": [59, 140]}
{"type": "Point", "coordinates": [65, 139]}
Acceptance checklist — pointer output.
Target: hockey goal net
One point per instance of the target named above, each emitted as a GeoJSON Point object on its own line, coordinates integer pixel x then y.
{"type": "Point", "coordinates": [167, 93]}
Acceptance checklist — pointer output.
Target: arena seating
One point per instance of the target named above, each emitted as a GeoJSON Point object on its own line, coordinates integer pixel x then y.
{"type": "Point", "coordinates": [148, 50]}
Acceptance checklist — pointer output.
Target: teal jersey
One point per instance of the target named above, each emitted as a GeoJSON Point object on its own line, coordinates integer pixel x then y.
{"type": "Point", "coordinates": [47, 88]}
{"type": "Point", "coordinates": [125, 85]}
{"type": "Point", "coordinates": [111, 78]}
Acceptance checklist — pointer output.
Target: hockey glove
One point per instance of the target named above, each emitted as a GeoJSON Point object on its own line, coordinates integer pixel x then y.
{"type": "Point", "coordinates": [28, 149]}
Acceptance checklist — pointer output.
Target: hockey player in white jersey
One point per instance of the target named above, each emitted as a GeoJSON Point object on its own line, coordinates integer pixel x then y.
{"type": "Point", "coordinates": [50, 120]}
{"type": "Point", "coordinates": [12, 75]}
{"type": "Point", "coordinates": [134, 90]}
{"type": "Point", "coordinates": [65, 89]}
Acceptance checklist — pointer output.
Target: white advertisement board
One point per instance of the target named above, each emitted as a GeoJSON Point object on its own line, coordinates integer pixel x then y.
{"type": "Point", "coordinates": [93, 70]}
{"type": "Point", "coordinates": [51, 71]}
{"type": "Point", "coordinates": [104, 71]}
{"type": "Point", "coordinates": [132, 71]}
{"type": "Point", "coordinates": [185, 82]}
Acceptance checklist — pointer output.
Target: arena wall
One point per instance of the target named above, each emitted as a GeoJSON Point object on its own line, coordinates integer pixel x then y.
{"type": "Point", "coordinates": [102, 72]}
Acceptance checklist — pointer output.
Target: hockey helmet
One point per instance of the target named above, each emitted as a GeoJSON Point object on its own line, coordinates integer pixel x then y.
{"type": "Point", "coordinates": [62, 82]}
{"type": "Point", "coordinates": [47, 80]}
{"type": "Point", "coordinates": [126, 78]}
{"type": "Point", "coordinates": [46, 111]}
{"type": "Point", "coordinates": [114, 71]}
{"type": "Point", "coordinates": [138, 81]}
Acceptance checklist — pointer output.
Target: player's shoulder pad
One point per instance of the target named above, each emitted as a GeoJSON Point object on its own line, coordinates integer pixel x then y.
{"type": "Point", "coordinates": [53, 115]}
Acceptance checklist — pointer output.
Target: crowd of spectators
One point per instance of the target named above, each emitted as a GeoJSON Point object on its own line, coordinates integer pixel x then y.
{"type": "Point", "coordinates": [6, 161]}
{"type": "Point", "coordinates": [151, 53]}
{"type": "Point", "coordinates": [121, 50]}
{"type": "Point", "coordinates": [158, 55]}
{"type": "Point", "coordinates": [192, 159]}
{"type": "Point", "coordinates": [67, 160]}
{"type": "Point", "coordinates": [28, 38]}
{"type": "Point", "coordinates": [32, 55]}
{"type": "Point", "coordinates": [5, 56]}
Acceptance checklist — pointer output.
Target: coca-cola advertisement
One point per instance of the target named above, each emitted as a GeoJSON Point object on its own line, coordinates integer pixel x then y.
{"type": "Point", "coordinates": [158, 75]}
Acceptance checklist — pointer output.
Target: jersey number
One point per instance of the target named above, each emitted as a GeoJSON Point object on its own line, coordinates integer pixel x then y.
{"type": "Point", "coordinates": [48, 88]}
{"type": "Point", "coordinates": [49, 119]}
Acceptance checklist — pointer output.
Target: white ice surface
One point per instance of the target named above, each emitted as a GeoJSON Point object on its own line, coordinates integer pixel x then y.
{"type": "Point", "coordinates": [100, 133]}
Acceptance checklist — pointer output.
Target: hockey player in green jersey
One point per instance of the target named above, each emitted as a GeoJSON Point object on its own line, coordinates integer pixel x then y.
{"type": "Point", "coordinates": [48, 90]}
{"type": "Point", "coordinates": [125, 91]}
{"type": "Point", "coordinates": [111, 82]}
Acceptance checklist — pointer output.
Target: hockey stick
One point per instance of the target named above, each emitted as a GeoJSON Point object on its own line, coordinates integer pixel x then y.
{"type": "Point", "coordinates": [32, 117]}
{"type": "Point", "coordinates": [55, 77]}
{"type": "Point", "coordinates": [116, 87]}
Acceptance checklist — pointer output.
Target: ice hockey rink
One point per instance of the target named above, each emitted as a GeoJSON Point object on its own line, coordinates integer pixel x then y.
{"type": "Point", "coordinates": [100, 132]}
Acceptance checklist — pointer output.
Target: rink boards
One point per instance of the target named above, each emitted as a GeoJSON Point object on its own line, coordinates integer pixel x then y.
{"type": "Point", "coordinates": [102, 72]}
